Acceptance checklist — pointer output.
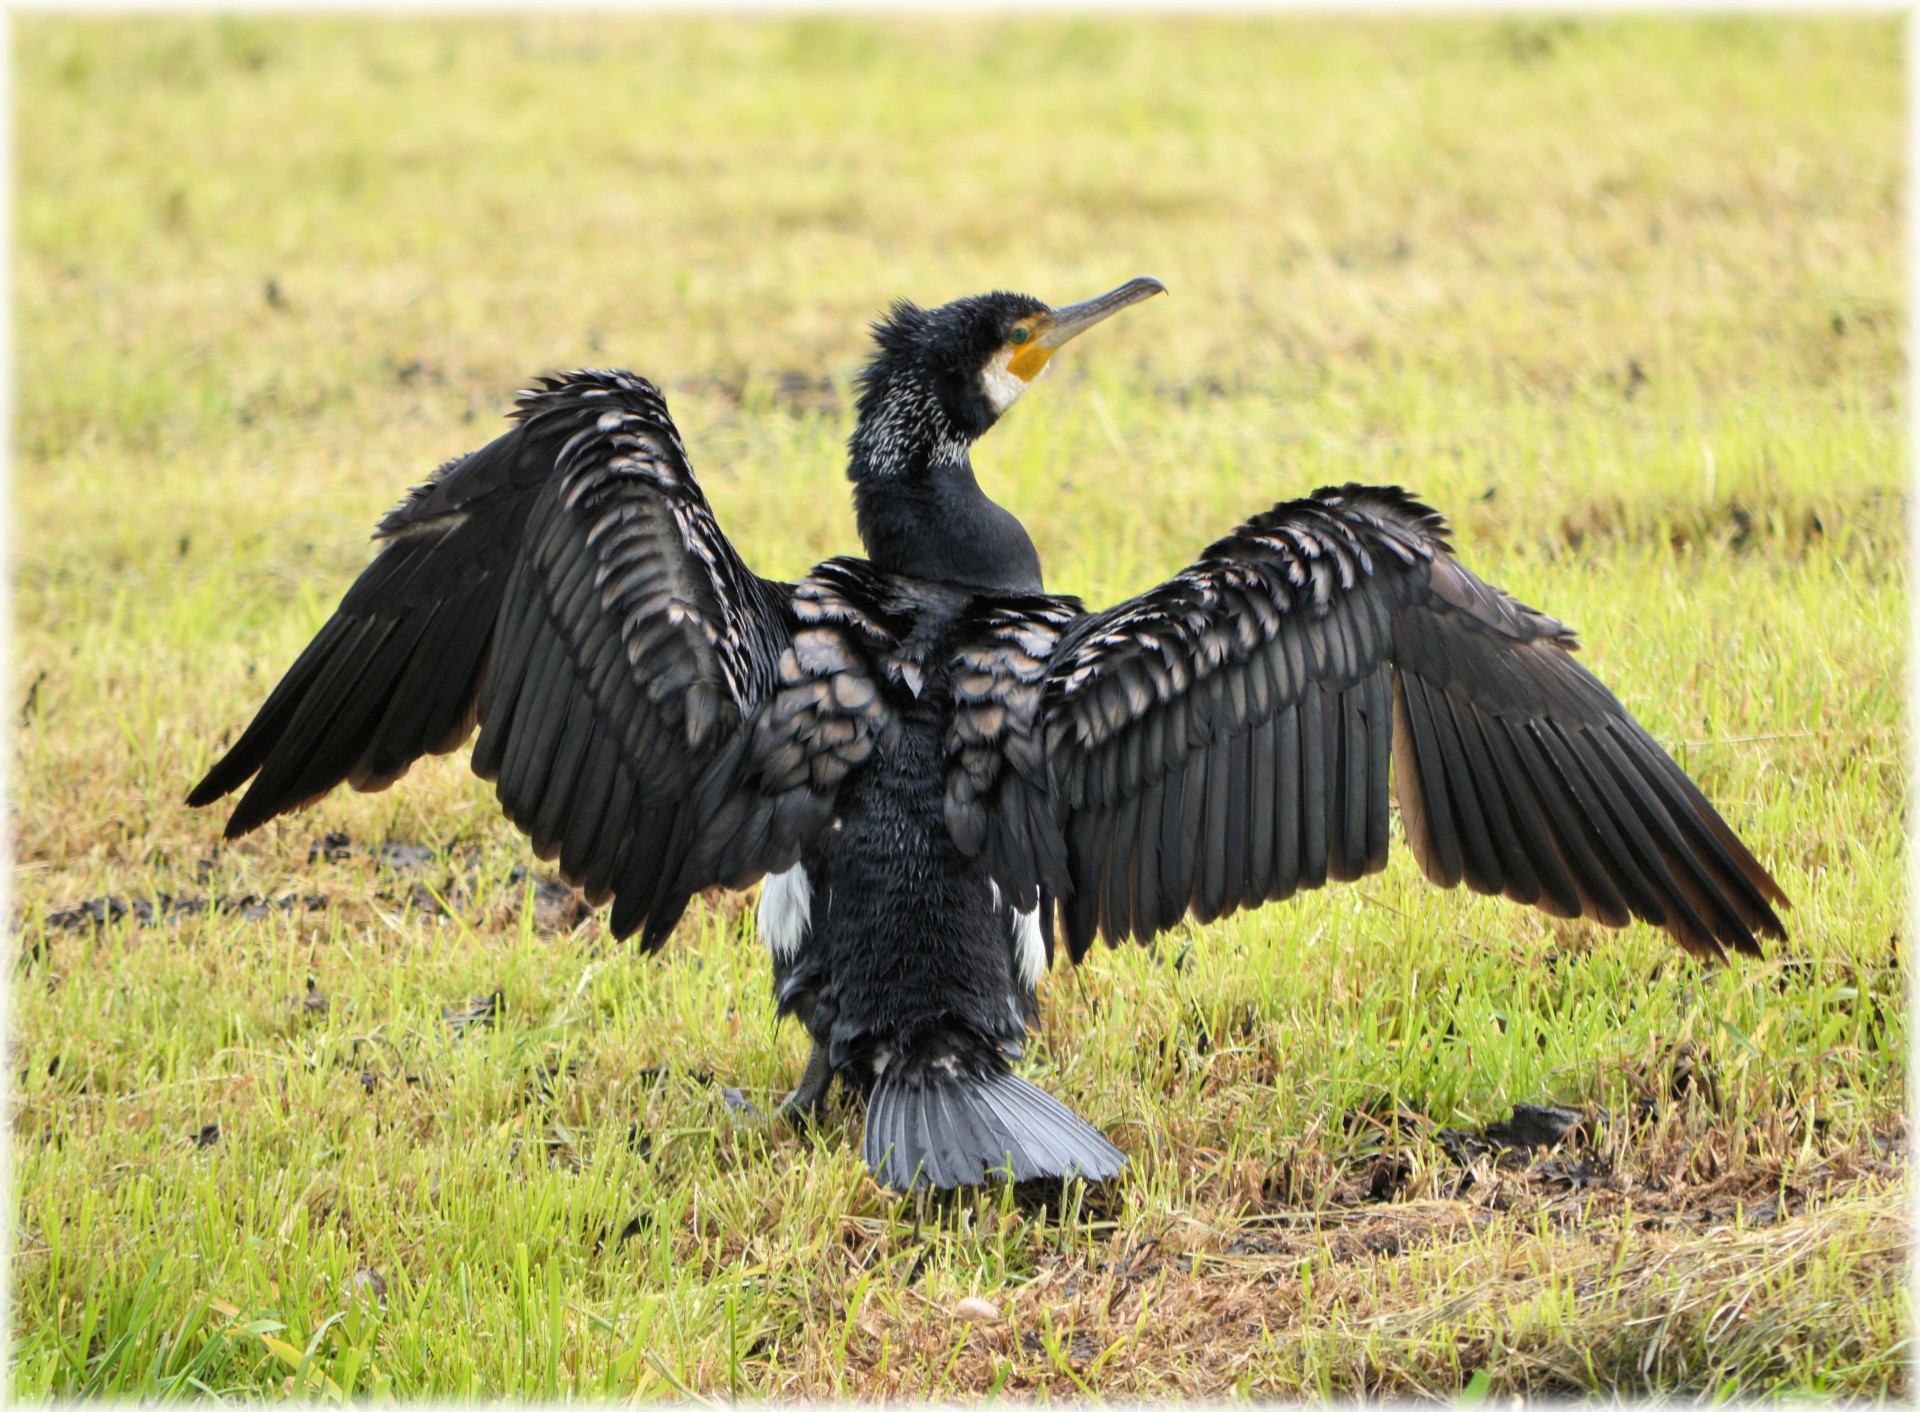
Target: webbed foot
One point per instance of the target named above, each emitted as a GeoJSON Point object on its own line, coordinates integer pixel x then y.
{"type": "Point", "coordinates": [800, 1105]}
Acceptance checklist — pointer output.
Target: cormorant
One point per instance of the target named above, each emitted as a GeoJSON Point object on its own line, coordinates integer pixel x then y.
{"type": "Point", "coordinates": [922, 750]}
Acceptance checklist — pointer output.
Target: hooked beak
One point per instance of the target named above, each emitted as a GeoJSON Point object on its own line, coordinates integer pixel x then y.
{"type": "Point", "coordinates": [1072, 320]}
{"type": "Point", "coordinates": [1075, 319]}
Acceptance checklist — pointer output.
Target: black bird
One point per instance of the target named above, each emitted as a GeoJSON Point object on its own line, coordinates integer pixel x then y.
{"type": "Point", "coordinates": [923, 750]}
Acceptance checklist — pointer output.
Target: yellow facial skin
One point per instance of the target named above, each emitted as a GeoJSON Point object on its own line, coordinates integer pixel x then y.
{"type": "Point", "coordinates": [1025, 360]}
{"type": "Point", "coordinates": [1046, 332]}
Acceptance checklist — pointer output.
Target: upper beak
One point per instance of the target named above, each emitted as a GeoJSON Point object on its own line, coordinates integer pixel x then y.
{"type": "Point", "coordinates": [1075, 319]}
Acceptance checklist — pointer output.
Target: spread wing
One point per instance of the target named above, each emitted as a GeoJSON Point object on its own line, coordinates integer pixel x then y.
{"type": "Point", "coordinates": [567, 587]}
{"type": "Point", "coordinates": [1229, 737]}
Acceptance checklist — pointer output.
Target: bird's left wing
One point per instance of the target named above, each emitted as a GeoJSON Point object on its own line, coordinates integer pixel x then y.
{"type": "Point", "coordinates": [1223, 739]}
{"type": "Point", "coordinates": [1226, 739]}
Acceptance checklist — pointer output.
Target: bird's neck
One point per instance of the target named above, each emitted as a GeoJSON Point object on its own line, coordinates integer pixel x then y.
{"type": "Point", "coordinates": [921, 512]}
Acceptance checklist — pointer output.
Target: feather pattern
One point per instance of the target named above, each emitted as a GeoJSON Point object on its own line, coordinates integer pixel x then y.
{"type": "Point", "coordinates": [999, 653]}
{"type": "Point", "coordinates": [763, 799]}
{"type": "Point", "coordinates": [1233, 734]}
{"type": "Point", "coordinates": [567, 589]}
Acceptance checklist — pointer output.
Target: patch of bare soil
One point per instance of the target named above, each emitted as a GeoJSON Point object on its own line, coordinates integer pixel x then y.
{"type": "Point", "coordinates": [167, 907]}
{"type": "Point", "coordinates": [432, 881]}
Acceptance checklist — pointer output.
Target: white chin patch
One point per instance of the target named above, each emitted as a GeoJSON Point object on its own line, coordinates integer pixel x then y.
{"type": "Point", "coordinates": [1003, 387]}
{"type": "Point", "coordinates": [786, 911]}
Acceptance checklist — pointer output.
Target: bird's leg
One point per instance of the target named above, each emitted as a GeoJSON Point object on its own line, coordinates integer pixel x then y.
{"type": "Point", "coordinates": [807, 1096]}
{"type": "Point", "coordinates": [798, 1106]}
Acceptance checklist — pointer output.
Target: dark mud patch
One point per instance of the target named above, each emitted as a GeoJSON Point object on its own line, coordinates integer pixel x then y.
{"type": "Point", "coordinates": [460, 884]}
{"type": "Point", "coordinates": [481, 1010]}
{"type": "Point", "coordinates": [1654, 1164]}
{"type": "Point", "coordinates": [401, 857]}
{"type": "Point", "coordinates": [1532, 1125]}
{"type": "Point", "coordinates": [1854, 526]}
{"type": "Point", "coordinates": [166, 907]}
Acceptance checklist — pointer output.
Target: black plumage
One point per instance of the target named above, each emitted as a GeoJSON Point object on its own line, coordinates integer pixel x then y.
{"type": "Point", "coordinates": [925, 754]}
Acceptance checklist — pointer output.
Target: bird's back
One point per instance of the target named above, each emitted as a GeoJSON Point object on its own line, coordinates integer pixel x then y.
{"type": "Point", "coordinates": [915, 973]}
{"type": "Point", "coordinates": [909, 932]}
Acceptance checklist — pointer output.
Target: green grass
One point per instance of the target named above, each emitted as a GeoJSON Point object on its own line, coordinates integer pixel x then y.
{"type": "Point", "coordinates": [1623, 296]}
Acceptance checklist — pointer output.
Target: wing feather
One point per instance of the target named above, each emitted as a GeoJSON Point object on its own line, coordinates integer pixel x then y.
{"type": "Point", "coordinates": [1314, 803]}
{"type": "Point", "coordinates": [1234, 734]}
{"type": "Point", "coordinates": [1379, 708]}
{"type": "Point", "coordinates": [548, 825]}
{"type": "Point", "coordinates": [1233, 881]}
{"type": "Point", "coordinates": [1144, 875]}
{"type": "Point", "coordinates": [1494, 813]}
{"type": "Point", "coordinates": [1470, 833]}
{"type": "Point", "coordinates": [1263, 800]}
{"type": "Point", "coordinates": [1116, 826]}
{"type": "Point", "coordinates": [1287, 796]}
{"type": "Point", "coordinates": [565, 587]}
{"type": "Point", "coordinates": [1213, 842]}
{"type": "Point", "coordinates": [425, 718]}
{"type": "Point", "coordinates": [1560, 894]}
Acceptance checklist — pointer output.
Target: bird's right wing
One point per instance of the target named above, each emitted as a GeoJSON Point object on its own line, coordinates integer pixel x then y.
{"type": "Point", "coordinates": [567, 587]}
{"type": "Point", "coordinates": [1225, 739]}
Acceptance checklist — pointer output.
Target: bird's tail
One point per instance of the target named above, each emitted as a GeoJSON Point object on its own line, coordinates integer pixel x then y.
{"type": "Point", "coordinates": [952, 1124]}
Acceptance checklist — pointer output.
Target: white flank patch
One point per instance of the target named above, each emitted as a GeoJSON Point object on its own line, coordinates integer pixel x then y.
{"type": "Point", "coordinates": [786, 911]}
{"type": "Point", "coordinates": [1002, 386]}
{"type": "Point", "coordinates": [1029, 947]}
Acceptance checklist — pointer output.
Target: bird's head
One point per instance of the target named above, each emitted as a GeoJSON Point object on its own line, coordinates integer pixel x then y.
{"type": "Point", "coordinates": [941, 377]}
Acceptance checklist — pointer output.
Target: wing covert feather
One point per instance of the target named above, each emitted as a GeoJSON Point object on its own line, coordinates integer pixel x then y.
{"type": "Point", "coordinates": [567, 588]}
{"type": "Point", "coordinates": [1231, 736]}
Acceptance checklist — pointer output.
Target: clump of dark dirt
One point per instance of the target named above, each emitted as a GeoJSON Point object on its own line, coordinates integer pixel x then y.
{"type": "Point", "coordinates": [97, 912]}
{"type": "Point", "coordinates": [332, 848]}
{"type": "Point", "coordinates": [401, 857]}
{"type": "Point", "coordinates": [366, 1283]}
{"type": "Point", "coordinates": [557, 906]}
{"type": "Point", "coordinates": [1578, 1167]}
{"type": "Point", "coordinates": [1387, 1178]}
{"type": "Point", "coordinates": [1532, 1125]}
{"type": "Point", "coordinates": [545, 1078]}
{"type": "Point", "coordinates": [636, 1226]}
{"type": "Point", "coordinates": [1078, 1348]}
{"type": "Point", "coordinates": [1585, 1170]}
{"type": "Point", "coordinates": [1572, 1173]}
{"type": "Point", "coordinates": [478, 1011]}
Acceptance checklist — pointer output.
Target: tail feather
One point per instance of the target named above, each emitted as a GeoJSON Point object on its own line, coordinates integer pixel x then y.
{"type": "Point", "coordinates": [947, 1129]}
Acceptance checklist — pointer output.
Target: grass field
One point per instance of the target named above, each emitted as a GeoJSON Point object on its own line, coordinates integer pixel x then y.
{"type": "Point", "coordinates": [384, 1115]}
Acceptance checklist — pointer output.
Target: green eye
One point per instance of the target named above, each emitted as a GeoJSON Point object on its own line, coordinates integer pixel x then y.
{"type": "Point", "coordinates": [1019, 335]}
